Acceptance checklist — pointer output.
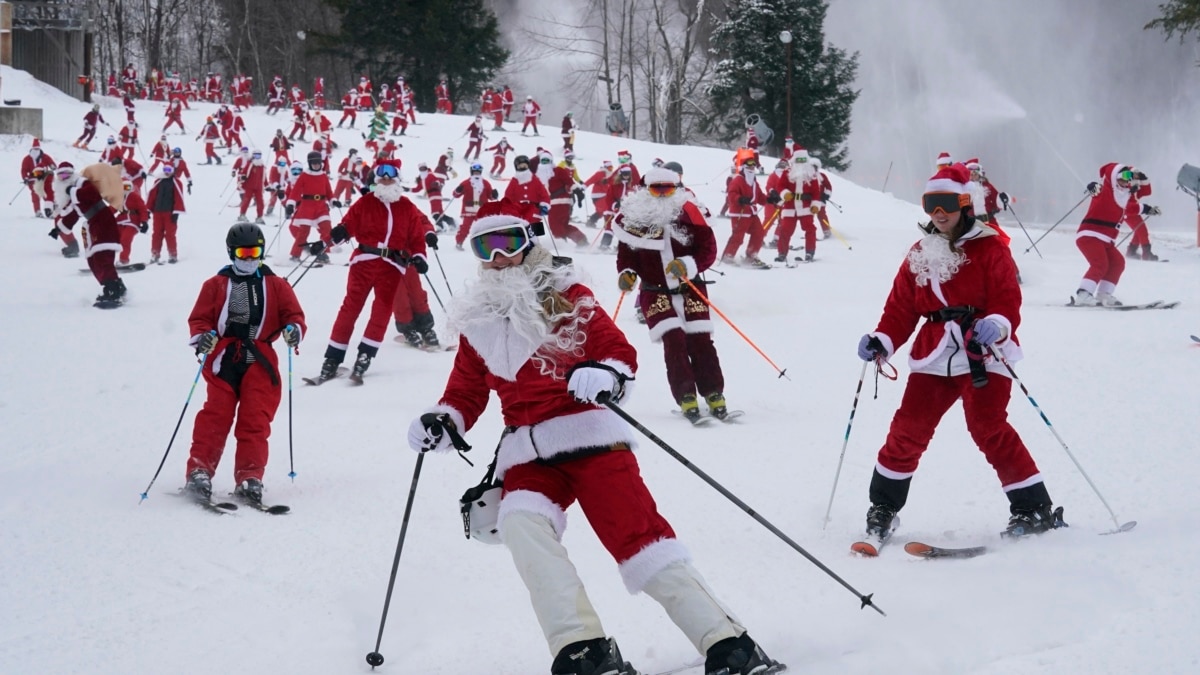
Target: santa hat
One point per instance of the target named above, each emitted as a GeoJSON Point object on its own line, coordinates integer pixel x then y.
{"type": "Point", "coordinates": [502, 215]}
{"type": "Point", "coordinates": [953, 178]}
{"type": "Point", "coordinates": [624, 154]}
{"type": "Point", "coordinates": [36, 144]}
{"type": "Point", "coordinates": [65, 165]}
{"type": "Point", "coordinates": [799, 154]}
{"type": "Point", "coordinates": [973, 165]}
{"type": "Point", "coordinates": [788, 139]}
{"type": "Point", "coordinates": [660, 176]}
{"type": "Point", "coordinates": [944, 159]}
{"type": "Point", "coordinates": [389, 162]}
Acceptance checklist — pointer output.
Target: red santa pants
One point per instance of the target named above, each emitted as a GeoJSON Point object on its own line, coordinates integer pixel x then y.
{"type": "Point", "coordinates": [1105, 262]}
{"type": "Point", "coordinates": [411, 298]}
{"type": "Point", "coordinates": [530, 120]}
{"type": "Point", "coordinates": [498, 118]}
{"type": "Point", "coordinates": [473, 145]}
{"type": "Point", "coordinates": [163, 224]}
{"type": "Point", "coordinates": [255, 196]}
{"type": "Point", "coordinates": [233, 140]}
{"type": "Point", "coordinates": [255, 404]}
{"type": "Point", "coordinates": [464, 228]}
{"type": "Point", "coordinates": [380, 277]}
{"type": "Point", "coordinates": [435, 206]}
{"type": "Point", "coordinates": [611, 492]}
{"type": "Point", "coordinates": [783, 235]}
{"type": "Point", "coordinates": [89, 132]}
{"type": "Point", "coordinates": [497, 165]}
{"type": "Point", "coordinates": [344, 188]}
{"type": "Point", "coordinates": [297, 128]}
{"type": "Point", "coordinates": [808, 224]}
{"type": "Point", "coordinates": [928, 397]}
{"type": "Point", "coordinates": [443, 105]}
{"type": "Point", "coordinates": [692, 363]}
{"type": "Point", "coordinates": [127, 234]}
{"type": "Point", "coordinates": [1141, 234]}
{"type": "Point", "coordinates": [559, 220]}
{"type": "Point", "coordinates": [743, 225]}
{"type": "Point", "coordinates": [824, 218]}
{"type": "Point", "coordinates": [174, 119]}
{"type": "Point", "coordinates": [399, 124]}
{"type": "Point", "coordinates": [300, 238]}
{"type": "Point", "coordinates": [102, 267]}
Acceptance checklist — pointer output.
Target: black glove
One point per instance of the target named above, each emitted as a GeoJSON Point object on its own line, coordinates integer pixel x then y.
{"type": "Point", "coordinates": [54, 232]}
{"type": "Point", "coordinates": [431, 240]}
{"type": "Point", "coordinates": [337, 203]}
{"type": "Point", "coordinates": [1148, 210]}
{"type": "Point", "coordinates": [429, 433]}
{"type": "Point", "coordinates": [291, 335]}
{"type": "Point", "coordinates": [281, 194]}
{"type": "Point", "coordinates": [1093, 188]}
{"type": "Point", "coordinates": [495, 195]}
{"type": "Point", "coordinates": [189, 187]}
{"type": "Point", "coordinates": [1003, 197]}
{"type": "Point", "coordinates": [144, 228]}
{"type": "Point", "coordinates": [745, 201]}
{"type": "Point", "coordinates": [207, 343]}
{"type": "Point", "coordinates": [339, 234]}
{"type": "Point", "coordinates": [773, 198]}
{"type": "Point", "coordinates": [317, 247]}
{"type": "Point", "coordinates": [289, 210]}
{"type": "Point", "coordinates": [419, 264]}
{"type": "Point", "coordinates": [29, 181]}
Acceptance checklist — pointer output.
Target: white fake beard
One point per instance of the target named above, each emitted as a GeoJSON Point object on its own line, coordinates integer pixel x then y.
{"type": "Point", "coordinates": [545, 171]}
{"type": "Point", "coordinates": [388, 193]}
{"type": "Point", "coordinates": [509, 301]}
{"type": "Point", "coordinates": [933, 257]}
{"type": "Point", "coordinates": [523, 176]}
{"type": "Point", "coordinates": [62, 199]}
{"type": "Point", "coordinates": [802, 173]}
{"type": "Point", "coordinates": [647, 216]}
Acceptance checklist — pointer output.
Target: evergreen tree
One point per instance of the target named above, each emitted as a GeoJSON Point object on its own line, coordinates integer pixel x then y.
{"type": "Point", "coordinates": [423, 40]}
{"type": "Point", "coordinates": [1178, 16]}
{"type": "Point", "coordinates": [751, 77]}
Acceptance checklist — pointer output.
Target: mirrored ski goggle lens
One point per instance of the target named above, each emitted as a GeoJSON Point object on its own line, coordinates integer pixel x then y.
{"type": "Point", "coordinates": [248, 252]}
{"type": "Point", "coordinates": [946, 202]}
{"type": "Point", "coordinates": [386, 171]}
{"type": "Point", "coordinates": [510, 242]}
{"type": "Point", "coordinates": [661, 189]}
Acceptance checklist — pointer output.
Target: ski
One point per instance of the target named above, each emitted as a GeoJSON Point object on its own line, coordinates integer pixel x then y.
{"type": "Point", "coordinates": [695, 663]}
{"type": "Point", "coordinates": [929, 552]}
{"type": "Point", "coordinates": [871, 545]}
{"type": "Point", "coordinates": [275, 510]}
{"type": "Point", "coordinates": [1157, 304]}
{"type": "Point", "coordinates": [731, 416]}
{"type": "Point", "coordinates": [133, 267]}
{"type": "Point", "coordinates": [206, 504]}
{"type": "Point", "coordinates": [107, 304]}
{"type": "Point", "coordinates": [317, 381]}
{"type": "Point", "coordinates": [1195, 338]}
{"type": "Point", "coordinates": [425, 348]}
{"type": "Point", "coordinates": [697, 422]}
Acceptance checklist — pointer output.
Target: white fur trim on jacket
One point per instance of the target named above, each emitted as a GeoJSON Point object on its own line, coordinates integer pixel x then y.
{"type": "Point", "coordinates": [887, 342]}
{"type": "Point", "coordinates": [689, 263]}
{"type": "Point", "coordinates": [624, 369]}
{"type": "Point", "coordinates": [536, 503]}
{"type": "Point", "coordinates": [638, 570]}
{"type": "Point", "coordinates": [455, 416]}
{"type": "Point", "coordinates": [559, 435]}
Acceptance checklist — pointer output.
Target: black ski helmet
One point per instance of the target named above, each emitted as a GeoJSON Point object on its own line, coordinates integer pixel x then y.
{"type": "Point", "coordinates": [673, 166]}
{"type": "Point", "coordinates": [315, 160]}
{"type": "Point", "coordinates": [519, 160]}
{"type": "Point", "coordinates": [244, 234]}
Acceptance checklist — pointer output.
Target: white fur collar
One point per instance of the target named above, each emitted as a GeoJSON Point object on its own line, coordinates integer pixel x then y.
{"type": "Point", "coordinates": [645, 220]}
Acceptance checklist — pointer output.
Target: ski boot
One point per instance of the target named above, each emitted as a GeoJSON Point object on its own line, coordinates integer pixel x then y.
{"type": "Point", "coordinates": [242, 218]}
{"type": "Point", "coordinates": [808, 256]}
{"type": "Point", "coordinates": [1132, 252]}
{"type": "Point", "coordinates": [48, 212]}
{"type": "Point", "coordinates": [199, 484]}
{"type": "Point", "coordinates": [361, 364]}
{"type": "Point", "coordinates": [1034, 520]}
{"type": "Point", "coordinates": [423, 325]}
{"type": "Point", "coordinates": [879, 521]}
{"type": "Point", "coordinates": [270, 211]}
{"type": "Point", "coordinates": [739, 656]}
{"type": "Point", "coordinates": [756, 263]}
{"type": "Point", "coordinates": [173, 259]}
{"type": "Point", "coordinates": [71, 250]}
{"type": "Point", "coordinates": [690, 407]}
{"type": "Point", "coordinates": [716, 405]}
{"type": "Point", "coordinates": [329, 369]}
{"type": "Point", "coordinates": [1147, 255]}
{"type": "Point", "coordinates": [1107, 300]}
{"type": "Point", "coordinates": [599, 656]}
{"type": "Point", "coordinates": [251, 490]}
{"type": "Point", "coordinates": [412, 336]}
{"type": "Point", "coordinates": [781, 258]}
{"type": "Point", "coordinates": [114, 291]}
{"type": "Point", "coordinates": [259, 221]}
{"type": "Point", "coordinates": [1085, 298]}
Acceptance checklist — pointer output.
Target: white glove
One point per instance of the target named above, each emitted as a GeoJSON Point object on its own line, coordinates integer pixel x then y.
{"type": "Point", "coordinates": [426, 433]}
{"type": "Point", "coordinates": [588, 382]}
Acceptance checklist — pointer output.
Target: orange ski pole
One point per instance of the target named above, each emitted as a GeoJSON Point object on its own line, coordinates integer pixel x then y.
{"type": "Point", "coordinates": [618, 309]}
{"type": "Point", "coordinates": [771, 221]}
{"type": "Point", "coordinates": [782, 371]}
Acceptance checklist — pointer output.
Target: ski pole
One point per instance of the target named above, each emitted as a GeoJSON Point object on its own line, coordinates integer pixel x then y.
{"type": "Point", "coordinates": [1013, 373]}
{"type": "Point", "coordinates": [1068, 213]}
{"type": "Point", "coordinates": [199, 371]}
{"type": "Point", "coordinates": [375, 658]}
{"type": "Point", "coordinates": [19, 191]}
{"type": "Point", "coordinates": [865, 599]}
{"type": "Point", "coordinates": [1035, 248]}
{"type": "Point", "coordinates": [887, 176]}
{"type": "Point", "coordinates": [312, 262]}
{"type": "Point", "coordinates": [1130, 234]}
{"type": "Point", "coordinates": [435, 293]}
{"type": "Point", "coordinates": [825, 222]}
{"type": "Point", "coordinates": [618, 309]}
{"type": "Point", "coordinates": [438, 258]}
{"type": "Point", "coordinates": [291, 458]}
{"type": "Point", "coordinates": [782, 371]}
{"type": "Point", "coordinates": [227, 184]}
{"type": "Point", "coordinates": [845, 442]}
{"type": "Point", "coordinates": [278, 229]}
{"type": "Point", "coordinates": [834, 205]}
{"type": "Point", "coordinates": [771, 221]}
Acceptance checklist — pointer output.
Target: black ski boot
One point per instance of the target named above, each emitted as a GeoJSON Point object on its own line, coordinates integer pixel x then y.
{"type": "Point", "coordinates": [879, 520]}
{"type": "Point", "coordinates": [114, 292]}
{"type": "Point", "coordinates": [599, 656]}
{"type": "Point", "coordinates": [251, 490]}
{"type": "Point", "coordinates": [739, 656]}
{"type": "Point", "coordinates": [423, 323]}
{"type": "Point", "coordinates": [199, 484]}
{"type": "Point", "coordinates": [71, 250]}
{"type": "Point", "coordinates": [361, 364]}
{"type": "Point", "coordinates": [690, 407]}
{"type": "Point", "coordinates": [1027, 521]}
{"type": "Point", "coordinates": [329, 369]}
{"type": "Point", "coordinates": [716, 405]}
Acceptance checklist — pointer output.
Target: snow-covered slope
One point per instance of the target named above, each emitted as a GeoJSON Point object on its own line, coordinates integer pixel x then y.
{"type": "Point", "coordinates": [93, 582]}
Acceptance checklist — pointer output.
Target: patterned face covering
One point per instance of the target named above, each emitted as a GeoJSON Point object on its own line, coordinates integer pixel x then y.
{"type": "Point", "coordinates": [246, 267]}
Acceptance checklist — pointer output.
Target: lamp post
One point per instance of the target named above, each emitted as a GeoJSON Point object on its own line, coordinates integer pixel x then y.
{"type": "Point", "coordinates": [786, 38]}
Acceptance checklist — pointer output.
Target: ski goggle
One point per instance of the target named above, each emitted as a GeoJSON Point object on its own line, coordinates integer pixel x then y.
{"type": "Point", "coordinates": [387, 171]}
{"type": "Point", "coordinates": [248, 252]}
{"type": "Point", "coordinates": [661, 189]}
{"type": "Point", "coordinates": [168, 169]}
{"type": "Point", "coordinates": [64, 174]}
{"type": "Point", "coordinates": [545, 160]}
{"type": "Point", "coordinates": [946, 202]}
{"type": "Point", "coordinates": [508, 242]}
{"type": "Point", "coordinates": [476, 168]}
{"type": "Point", "coordinates": [296, 171]}
{"type": "Point", "coordinates": [1126, 175]}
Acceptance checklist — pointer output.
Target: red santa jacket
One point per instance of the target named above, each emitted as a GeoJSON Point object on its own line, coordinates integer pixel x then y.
{"type": "Point", "coordinates": [135, 212]}
{"type": "Point", "coordinates": [647, 241]}
{"type": "Point", "coordinates": [981, 274]}
{"type": "Point", "coordinates": [598, 182]}
{"type": "Point", "coordinates": [740, 189]}
{"type": "Point", "coordinates": [1110, 207]}
{"type": "Point", "coordinates": [617, 191]}
{"type": "Point", "coordinates": [562, 180]}
{"type": "Point", "coordinates": [211, 313]}
{"type": "Point", "coordinates": [152, 198]}
{"type": "Point", "coordinates": [548, 421]}
{"type": "Point", "coordinates": [85, 206]}
{"type": "Point", "coordinates": [473, 195]}
{"type": "Point", "coordinates": [399, 227]}
{"type": "Point", "coordinates": [475, 132]}
{"type": "Point", "coordinates": [37, 169]}
{"type": "Point", "coordinates": [252, 177]}
{"type": "Point", "coordinates": [530, 190]}
{"type": "Point", "coordinates": [310, 194]}
{"type": "Point", "coordinates": [431, 184]}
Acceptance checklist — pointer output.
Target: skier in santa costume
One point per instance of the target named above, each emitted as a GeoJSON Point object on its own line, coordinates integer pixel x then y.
{"type": "Point", "coordinates": [1114, 198]}
{"type": "Point", "coordinates": [37, 170]}
{"type": "Point", "coordinates": [960, 278]}
{"type": "Point", "coordinates": [165, 202]}
{"type": "Point", "coordinates": [133, 218]}
{"type": "Point", "coordinates": [499, 150]}
{"type": "Point", "coordinates": [390, 231]}
{"type": "Point", "coordinates": [475, 191]}
{"type": "Point", "coordinates": [80, 202]}
{"type": "Point", "coordinates": [252, 179]}
{"type": "Point", "coordinates": [238, 315]}
{"type": "Point", "coordinates": [410, 310]}
{"type": "Point", "coordinates": [535, 335]}
{"type": "Point", "coordinates": [431, 184]}
{"type": "Point", "coordinates": [663, 238]}
{"type": "Point", "coordinates": [308, 206]}
{"type": "Point", "coordinates": [90, 120]}
{"type": "Point", "coordinates": [743, 197]}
